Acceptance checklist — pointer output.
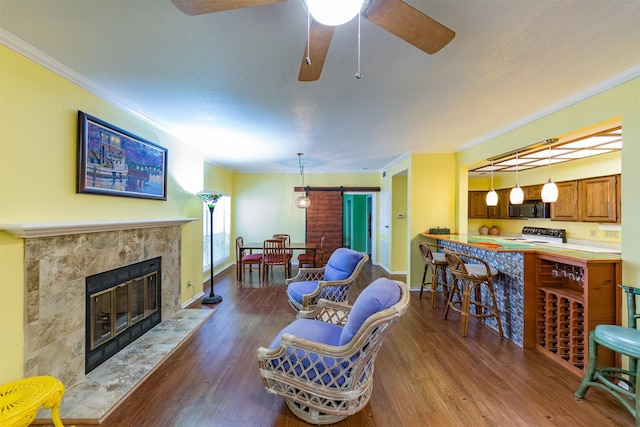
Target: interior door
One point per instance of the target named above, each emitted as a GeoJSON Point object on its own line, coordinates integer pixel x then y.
{"type": "Point", "coordinates": [324, 218]}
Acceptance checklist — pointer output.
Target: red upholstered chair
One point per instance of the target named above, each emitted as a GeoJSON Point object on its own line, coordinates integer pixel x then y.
{"type": "Point", "coordinates": [287, 242]}
{"type": "Point", "coordinates": [274, 253]}
{"type": "Point", "coordinates": [313, 258]}
{"type": "Point", "coordinates": [244, 259]}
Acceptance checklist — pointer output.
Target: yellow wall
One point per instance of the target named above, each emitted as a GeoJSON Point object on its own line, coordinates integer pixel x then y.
{"type": "Point", "coordinates": [265, 203]}
{"type": "Point", "coordinates": [432, 203]}
{"type": "Point", "coordinates": [38, 152]}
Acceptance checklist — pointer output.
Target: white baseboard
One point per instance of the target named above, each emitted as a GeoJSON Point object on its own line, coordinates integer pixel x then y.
{"type": "Point", "coordinates": [192, 299]}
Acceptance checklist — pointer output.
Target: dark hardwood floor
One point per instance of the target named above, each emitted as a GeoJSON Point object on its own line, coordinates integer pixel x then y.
{"type": "Point", "coordinates": [426, 373]}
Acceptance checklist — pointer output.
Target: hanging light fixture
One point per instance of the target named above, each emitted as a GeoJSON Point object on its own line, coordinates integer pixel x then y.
{"type": "Point", "coordinates": [550, 189]}
{"type": "Point", "coordinates": [303, 201]}
{"type": "Point", "coordinates": [516, 196]}
{"type": "Point", "coordinates": [334, 12]}
{"type": "Point", "coordinates": [492, 196]}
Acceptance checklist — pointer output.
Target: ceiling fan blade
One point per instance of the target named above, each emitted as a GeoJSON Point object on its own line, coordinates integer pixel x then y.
{"type": "Point", "coordinates": [409, 24]}
{"type": "Point", "coordinates": [319, 41]}
{"type": "Point", "coordinates": [200, 7]}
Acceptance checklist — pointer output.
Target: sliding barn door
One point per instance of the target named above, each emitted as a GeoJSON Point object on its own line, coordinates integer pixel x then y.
{"type": "Point", "coordinates": [324, 218]}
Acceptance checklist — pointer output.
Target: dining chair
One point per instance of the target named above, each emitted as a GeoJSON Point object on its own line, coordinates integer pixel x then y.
{"type": "Point", "coordinates": [273, 254]}
{"type": "Point", "coordinates": [287, 242]}
{"type": "Point", "coordinates": [313, 258]}
{"type": "Point", "coordinates": [244, 259]}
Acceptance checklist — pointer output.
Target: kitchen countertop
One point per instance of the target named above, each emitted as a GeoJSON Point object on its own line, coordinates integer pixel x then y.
{"type": "Point", "coordinates": [503, 244]}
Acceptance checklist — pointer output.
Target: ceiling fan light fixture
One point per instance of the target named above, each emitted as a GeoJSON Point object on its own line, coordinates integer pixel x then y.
{"type": "Point", "coordinates": [334, 12]}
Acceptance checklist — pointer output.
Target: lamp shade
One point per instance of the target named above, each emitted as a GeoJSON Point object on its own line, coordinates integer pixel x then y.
{"type": "Point", "coordinates": [549, 192]}
{"type": "Point", "coordinates": [334, 12]}
{"type": "Point", "coordinates": [516, 196]}
{"type": "Point", "coordinates": [303, 202]}
{"type": "Point", "coordinates": [492, 198]}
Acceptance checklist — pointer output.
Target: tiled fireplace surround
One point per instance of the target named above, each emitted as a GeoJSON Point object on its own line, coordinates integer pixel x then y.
{"type": "Point", "coordinates": [55, 270]}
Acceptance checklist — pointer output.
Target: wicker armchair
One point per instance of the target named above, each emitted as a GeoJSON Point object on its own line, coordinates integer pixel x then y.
{"type": "Point", "coordinates": [323, 362]}
{"type": "Point", "coordinates": [330, 282]}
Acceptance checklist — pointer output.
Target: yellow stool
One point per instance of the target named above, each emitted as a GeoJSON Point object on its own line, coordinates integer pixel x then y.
{"type": "Point", "coordinates": [20, 400]}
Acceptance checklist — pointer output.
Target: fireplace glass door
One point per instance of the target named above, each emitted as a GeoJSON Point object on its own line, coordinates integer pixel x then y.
{"type": "Point", "coordinates": [116, 309]}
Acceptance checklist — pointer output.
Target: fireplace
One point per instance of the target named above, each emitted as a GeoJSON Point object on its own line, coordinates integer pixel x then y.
{"type": "Point", "coordinates": [121, 305]}
{"type": "Point", "coordinates": [58, 258]}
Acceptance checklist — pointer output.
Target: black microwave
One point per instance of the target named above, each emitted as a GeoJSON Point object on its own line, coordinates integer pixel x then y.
{"type": "Point", "coordinates": [530, 210]}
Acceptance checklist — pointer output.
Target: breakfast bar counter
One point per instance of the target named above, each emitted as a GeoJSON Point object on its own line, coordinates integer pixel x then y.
{"type": "Point", "coordinates": [549, 297]}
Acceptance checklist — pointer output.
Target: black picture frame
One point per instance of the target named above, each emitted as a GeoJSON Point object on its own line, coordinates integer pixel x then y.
{"type": "Point", "coordinates": [112, 161]}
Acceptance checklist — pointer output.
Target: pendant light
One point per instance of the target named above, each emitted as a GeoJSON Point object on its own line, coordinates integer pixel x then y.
{"type": "Point", "coordinates": [303, 201]}
{"type": "Point", "coordinates": [334, 12]}
{"type": "Point", "coordinates": [492, 196]}
{"type": "Point", "coordinates": [516, 196]}
{"type": "Point", "coordinates": [550, 189]}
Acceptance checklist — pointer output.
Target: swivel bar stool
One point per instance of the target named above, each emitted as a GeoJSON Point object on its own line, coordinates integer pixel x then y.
{"type": "Point", "coordinates": [437, 262]}
{"type": "Point", "coordinates": [468, 278]}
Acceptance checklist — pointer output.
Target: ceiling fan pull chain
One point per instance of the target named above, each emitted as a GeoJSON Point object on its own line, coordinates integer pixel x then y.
{"type": "Point", "coordinates": [359, 74]}
{"type": "Point", "coordinates": [308, 58]}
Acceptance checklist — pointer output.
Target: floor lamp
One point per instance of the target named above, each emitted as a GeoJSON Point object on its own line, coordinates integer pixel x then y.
{"type": "Point", "coordinates": [210, 200]}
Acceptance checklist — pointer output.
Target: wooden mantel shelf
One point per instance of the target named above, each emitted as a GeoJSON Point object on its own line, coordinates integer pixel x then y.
{"type": "Point", "coordinates": [49, 229]}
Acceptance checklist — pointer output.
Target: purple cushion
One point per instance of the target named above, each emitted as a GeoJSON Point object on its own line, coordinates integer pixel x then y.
{"type": "Point", "coordinates": [341, 264]}
{"type": "Point", "coordinates": [312, 366]}
{"type": "Point", "coordinates": [314, 330]}
{"type": "Point", "coordinates": [379, 295]}
{"type": "Point", "coordinates": [297, 289]}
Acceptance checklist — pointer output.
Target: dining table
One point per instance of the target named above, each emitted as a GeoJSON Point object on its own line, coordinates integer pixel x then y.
{"type": "Point", "coordinates": [293, 246]}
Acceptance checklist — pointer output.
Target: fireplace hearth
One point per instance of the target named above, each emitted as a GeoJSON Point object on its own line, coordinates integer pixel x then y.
{"type": "Point", "coordinates": [121, 306]}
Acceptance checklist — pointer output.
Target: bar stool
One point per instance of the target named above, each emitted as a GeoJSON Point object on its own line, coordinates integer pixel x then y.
{"type": "Point", "coordinates": [437, 262]}
{"type": "Point", "coordinates": [468, 279]}
{"type": "Point", "coordinates": [20, 400]}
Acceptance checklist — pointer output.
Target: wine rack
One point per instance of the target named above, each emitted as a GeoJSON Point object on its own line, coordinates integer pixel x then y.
{"type": "Point", "coordinates": [572, 297]}
{"type": "Point", "coordinates": [560, 312]}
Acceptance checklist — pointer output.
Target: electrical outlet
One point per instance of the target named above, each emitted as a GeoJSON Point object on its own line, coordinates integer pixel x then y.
{"type": "Point", "coordinates": [611, 234]}
{"type": "Point", "coordinates": [189, 285]}
{"type": "Point", "coordinates": [593, 233]}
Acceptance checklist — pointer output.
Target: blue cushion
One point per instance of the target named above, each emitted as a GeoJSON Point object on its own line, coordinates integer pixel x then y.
{"type": "Point", "coordinates": [379, 295]}
{"type": "Point", "coordinates": [620, 339]}
{"type": "Point", "coordinates": [341, 264]}
{"type": "Point", "coordinates": [296, 290]}
{"type": "Point", "coordinates": [326, 370]}
{"type": "Point", "coordinates": [314, 330]}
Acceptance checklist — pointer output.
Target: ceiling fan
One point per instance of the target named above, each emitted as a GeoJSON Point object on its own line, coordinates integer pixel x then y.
{"type": "Point", "coordinates": [395, 16]}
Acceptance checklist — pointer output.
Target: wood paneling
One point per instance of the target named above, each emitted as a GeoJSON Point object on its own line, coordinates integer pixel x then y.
{"type": "Point", "coordinates": [324, 218]}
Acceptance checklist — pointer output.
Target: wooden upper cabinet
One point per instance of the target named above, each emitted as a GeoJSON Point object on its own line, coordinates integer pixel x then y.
{"type": "Point", "coordinates": [533, 192]}
{"type": "Point", "coordinates": [598, 199]}
{"type": "Point", "coordinates": [566, 207]}
{"type": "Point", "coordinates": [478, 204]}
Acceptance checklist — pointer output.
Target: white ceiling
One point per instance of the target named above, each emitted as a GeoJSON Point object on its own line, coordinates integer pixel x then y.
{"type": "Point", "coordinates": [227, 81]}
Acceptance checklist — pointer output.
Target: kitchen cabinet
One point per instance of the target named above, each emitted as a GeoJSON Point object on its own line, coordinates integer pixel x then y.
{"type": "Point", "coordinates": [533, 192]}
{"type": "Point", "coordinates": [478, 204]}
{"type": "Point", "coordinates": [566, 207]}
{"type": "Point", "coordinates": [501, 210]}
{"type": "Point", "coordinates": [598, 199]}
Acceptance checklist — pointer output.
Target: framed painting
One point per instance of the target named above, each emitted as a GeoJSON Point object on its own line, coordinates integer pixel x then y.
{"type": "Point", "coordinates": [115, 162]}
